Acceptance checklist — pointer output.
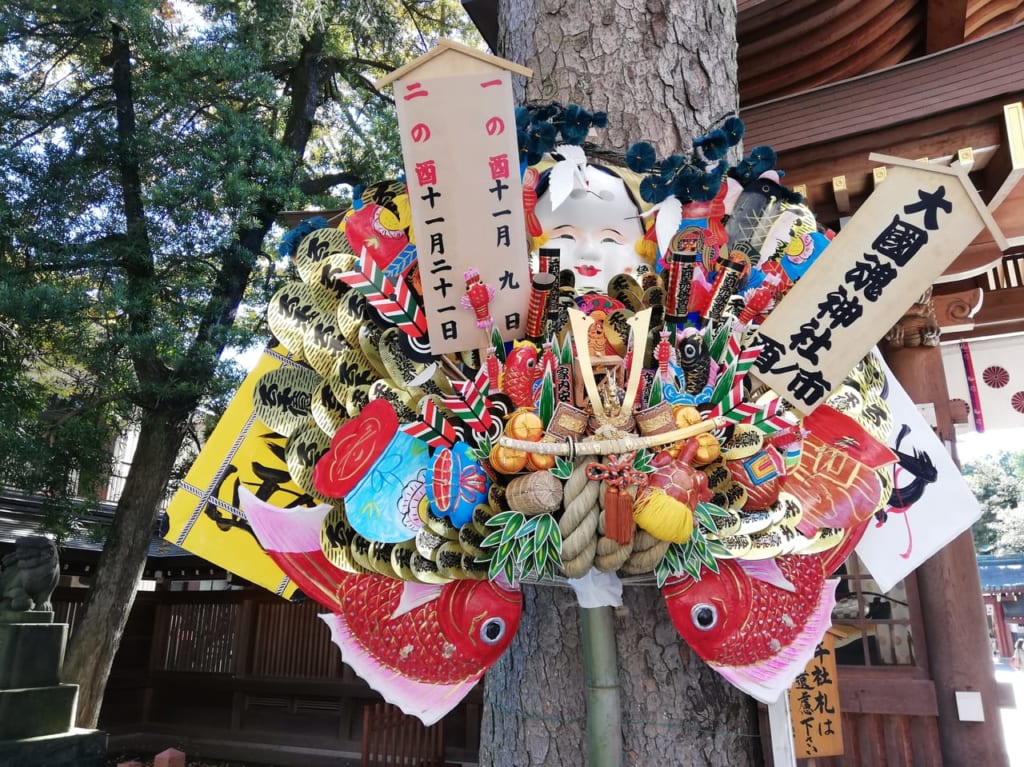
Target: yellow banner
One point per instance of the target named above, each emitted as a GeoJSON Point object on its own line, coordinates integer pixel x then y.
{"type": "Point", "coordinates": [205, 519]}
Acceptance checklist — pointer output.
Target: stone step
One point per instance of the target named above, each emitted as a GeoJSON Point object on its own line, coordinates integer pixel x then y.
{"type": "Point", "coordinates": [77, 748]}
{"type": "Point", "coordinates": [33, 711]}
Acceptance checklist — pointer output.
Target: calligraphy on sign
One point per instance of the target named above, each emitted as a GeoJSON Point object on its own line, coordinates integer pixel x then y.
{"type": "Point", "coordinates": [459, 145]}
{"type": "Point", "coordinates": [897, 243]}
{"type": "Point", "coordinates": [814, 705]}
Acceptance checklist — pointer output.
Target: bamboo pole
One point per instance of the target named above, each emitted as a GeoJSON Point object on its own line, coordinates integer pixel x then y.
{"type": "Point", "coordinates": [601, 675]}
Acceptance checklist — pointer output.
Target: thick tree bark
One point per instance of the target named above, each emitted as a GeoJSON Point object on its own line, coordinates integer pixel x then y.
{"type": "Point", "coordinates": [112, 590]}
{"type": "Point", "coordinates": [664, 72]}
{"type": "Point", "coordinates": [675, 710]}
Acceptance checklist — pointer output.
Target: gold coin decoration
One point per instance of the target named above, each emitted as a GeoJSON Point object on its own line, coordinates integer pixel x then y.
{"type": "Point", "coordinates": [403, 402]}
{"type": "Point", "coordinates": [326, 286]}
{"type": "Point", "coordinates": [305, 447]}
{"type": "Point", "coordinates": [328, 408]}
{"type": "Point", "coordinates": [336, 537]}
{"type": "Point", "coordinates": [316, 248]}
{"type": "Point", "coordinates": [282, 398]}
{"type": "Point", "coordinates": [369, 344]}
{"type": "Point", "coordinates": [352, 369]}
{"type": "Point", "coordinates": [403, 370]}
{"type": "Point", "coordinates": [288, 313]}
{"type": "Point", "coordinates": [356, 398]}
{"type": "Point", "coordinates": [350, 314]}
{"type": "Point", "coordinates": [323, 345]}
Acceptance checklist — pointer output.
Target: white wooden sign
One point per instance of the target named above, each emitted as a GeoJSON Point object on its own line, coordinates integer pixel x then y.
{"type": "Point", "coordinates": [897, 243]}
{"type": "Point", "coordinates": [458, 132]}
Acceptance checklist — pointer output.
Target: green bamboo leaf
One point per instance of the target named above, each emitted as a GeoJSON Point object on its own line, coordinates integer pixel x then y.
{"type": "Point", "coordinates": [689, 556]}
{"type": "Point", "coordinates": [714, 509]}
{"type": "Point", "coordinates": [492, 540]}
{"type": "Point", "coordinates": [526, 550]}
{"type": "Point", "coordinates": [541, 558]}
{"type": "Point", "coordinates": [693, 570]}
{"type": "Point", "coordinates": [546, 403]}
{"type": "Point", "coordinates": [483, 446]}
{"type": "Point", "coordinates": [511, 572]}
{"type": "Point", "coordinates": [554, 536]}
{"type": "Point", "coordinates": [716, 549]}
{"type": "Point", "coordinates": [704, 517]}
{"type": "Point", "coordinates": [505, 550]}
{"type": "Point", "coordinates": [502, 518]}
{"type": "Point", "coordinates": [528, 528]}
{"type": "Point", "coordinates": [671, 557]}
{"type": "Point", "coordinates": [700, 547]}
{"type": "Point", "coordinates": [721, 390]}
{"type": "Point", "coordinates": [512, 527]}
{"type": "Point", "coordinates": [642, 461]}
{"type": "Point", "coordinates": [499, 349]}
{"type": "Point", "coordinates": [712, 565]}
{"type": "Point", "coordinates": [655, 396]}
{"type": "Point", "coordinates": [563, 468]}
{"type": "Point", "coordinates": [555, 555]}
{"type": "Point", "coordinates": [662, 573]}
{"type": "Point", "coordinates": [544, 524]}
{"type": "Point", "coordinates": [719, 342]}
{"type": "Point", "coordinates": [494, 570]}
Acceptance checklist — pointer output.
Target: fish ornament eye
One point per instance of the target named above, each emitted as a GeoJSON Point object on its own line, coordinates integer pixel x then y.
{"type": "Point", "coordinates": [492, 631]}
{"type": "Point", "coordinates": [704, 616]}
{"type": "Point", "coordinates": [689, 350]}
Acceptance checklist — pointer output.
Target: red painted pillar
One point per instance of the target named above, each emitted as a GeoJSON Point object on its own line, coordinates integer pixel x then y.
{"type": "Point", "coordinates": [1003, 639]}
{"type": "Point", "coordinates": [952, 609]}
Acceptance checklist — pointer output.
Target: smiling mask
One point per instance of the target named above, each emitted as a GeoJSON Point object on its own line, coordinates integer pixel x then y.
{"type": "Point", "coordinates": [595, 228]}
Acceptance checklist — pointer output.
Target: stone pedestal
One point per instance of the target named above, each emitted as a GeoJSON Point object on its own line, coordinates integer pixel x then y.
{"type": "Point", "coordinates": [37, 712]}
{"type": "Point", "coordinates": [31, 654]}
{"type": "Point", "coordinates": [76, 748]}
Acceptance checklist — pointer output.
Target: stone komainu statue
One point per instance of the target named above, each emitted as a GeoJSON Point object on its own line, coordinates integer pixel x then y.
{"type": "Point", "coordinates": [29, 574]}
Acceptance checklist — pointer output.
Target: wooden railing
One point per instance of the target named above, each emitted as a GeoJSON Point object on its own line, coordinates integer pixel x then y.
{"type": "Point", "coordinates": [241, 675]}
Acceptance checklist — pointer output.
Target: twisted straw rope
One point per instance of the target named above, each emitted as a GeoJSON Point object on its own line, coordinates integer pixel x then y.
{"type": "Point", "coordinates": [578, 523]}
{"type": "Point", "coordinates": [647, 552]}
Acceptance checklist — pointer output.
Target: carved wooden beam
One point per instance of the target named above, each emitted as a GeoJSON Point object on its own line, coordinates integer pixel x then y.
{"type": "Point", "coordinates": [955, 312]}
{"type": "Point", "coordinates": [917, 327]}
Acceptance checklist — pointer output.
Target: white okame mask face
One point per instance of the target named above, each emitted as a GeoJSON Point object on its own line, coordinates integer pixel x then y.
{"type": "Point", "coordinates": [595, 229]}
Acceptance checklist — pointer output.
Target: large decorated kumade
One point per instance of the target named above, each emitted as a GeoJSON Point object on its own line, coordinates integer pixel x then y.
{"type": "Point", "coordinates": [599, 405]}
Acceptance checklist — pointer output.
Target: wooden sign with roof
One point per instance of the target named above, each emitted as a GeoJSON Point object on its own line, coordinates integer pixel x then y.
{"type": "Point", "coordinates": [899, 241]}
{"type": "Point", "coordinates": [457, 122]}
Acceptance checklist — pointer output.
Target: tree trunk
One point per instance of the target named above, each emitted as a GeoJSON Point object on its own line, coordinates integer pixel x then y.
{"type": "Point", "coordinates": [112, 591]}
{"type": "Point", "coordinates": [672, 703]}
{"type": "Point", "coordinates": [664, 72]}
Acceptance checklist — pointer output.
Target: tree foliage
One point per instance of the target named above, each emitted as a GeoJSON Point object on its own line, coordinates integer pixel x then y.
{"type": "Point", "coordinates": [998, 483]}
{"type": "Point", "coordinates": [146, 147]}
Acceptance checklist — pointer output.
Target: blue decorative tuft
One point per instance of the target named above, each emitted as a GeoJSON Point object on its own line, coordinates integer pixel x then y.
{"type": "Point", "coordinates": [291, 239]}
{"type": "Point", "coordinates": [734, 129]}
{"type": "Point", "coordinates": [640, 157]}
{"type": "Point", "coordinates": [714, 145]}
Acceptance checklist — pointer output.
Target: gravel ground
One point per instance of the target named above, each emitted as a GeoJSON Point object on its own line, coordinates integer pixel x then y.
{"type": "Point", "coordinates": [113, 761]}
